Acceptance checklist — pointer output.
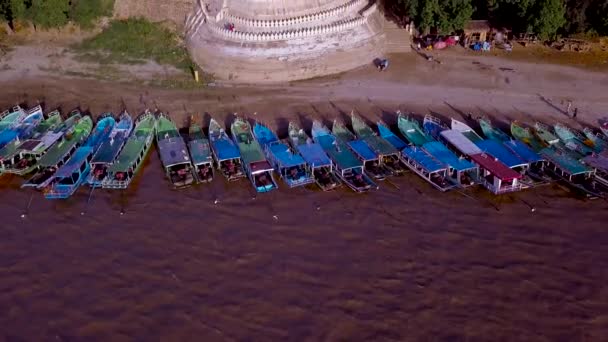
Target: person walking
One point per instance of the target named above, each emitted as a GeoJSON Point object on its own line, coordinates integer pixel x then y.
{"type": "Point", "coordinates": [575, 113]}
{"type": "Point", "coordinates": [569, 106]}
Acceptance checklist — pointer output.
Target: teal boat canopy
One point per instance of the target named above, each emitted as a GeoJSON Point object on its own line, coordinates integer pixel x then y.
{"type": "Point", "coordinates": [339, 152]}
{"type": "Point", "coordinates": [564, 161]}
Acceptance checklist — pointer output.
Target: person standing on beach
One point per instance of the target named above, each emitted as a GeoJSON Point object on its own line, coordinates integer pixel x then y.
{"type": "Point", "coordinates": [575, 113]}
{"type": "Point", "coordinates": [569, 106]}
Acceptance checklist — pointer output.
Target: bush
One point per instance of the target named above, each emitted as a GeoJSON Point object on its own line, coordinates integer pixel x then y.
{"type": "Point", "coordinates": [85, 12]}
{"type": "Point", "coordinates": [137, 39]}
{"type": "Point", "coordinates": [50, 13]}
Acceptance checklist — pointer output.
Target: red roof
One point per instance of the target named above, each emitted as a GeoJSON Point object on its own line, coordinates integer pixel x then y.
{"type": "Point", "coordinates": [495, 167]}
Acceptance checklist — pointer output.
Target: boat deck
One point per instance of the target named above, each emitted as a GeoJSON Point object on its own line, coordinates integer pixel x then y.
{"type": "Point", "coordinates": [523, 151]}
{"type": "Point", "coordinates": [74, 164]}
{"type": "Point", "coordinates": [565, 161]}
{"type": "Point", "coordinates": [460, 142]}
{"type": "Point", "coordinates": [110, 148]}
{"type": "Point", "coordinates": [173, 151]}
{"type": "Point", "coordinates": [200, 151]}
{"type": "Point", "coordinates": [379, 145]}
{"type": "Point", "coordinates": [225, 149]}
{"type": "Point", "coordinates": [284, 156]}
{"type": "Point", "coordinates": [339, 152]}
{"type": "Point", "coordinates": [362, 149]}
{"type": "Point", "coordinates": [389, 136]}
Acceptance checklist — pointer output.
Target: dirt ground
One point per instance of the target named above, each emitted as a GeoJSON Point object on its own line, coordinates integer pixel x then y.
{"type": "Point", "coordinates": [404, 263]}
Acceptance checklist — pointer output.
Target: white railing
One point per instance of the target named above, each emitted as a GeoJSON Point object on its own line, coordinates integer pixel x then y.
{"type": "Point", "coordinates": [333, 12]}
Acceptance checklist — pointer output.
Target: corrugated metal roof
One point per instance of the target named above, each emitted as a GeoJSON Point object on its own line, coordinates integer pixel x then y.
{"type": "Point", "coordinates": [362, 149]}
{"type": "Point", "coordinates": [285, 156]}
{"type": "Point", "coordinates": [501, 152]}
{"type": "Point", "coordinates": [494, 166]}
{"type": "Point", "coordinates": [441, 153]}
{"type": "Point", "coordinates": [424, 159]}
{"type": "Point", "coordinates": [314, 155]}
{"type": "Point", "coordinates": [460, 142]}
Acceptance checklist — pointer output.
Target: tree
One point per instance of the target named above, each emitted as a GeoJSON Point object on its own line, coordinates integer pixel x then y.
{"type": "Point", "coordinates": [546, 18]}
{"type": "Point", "coordinates": [445, 15]}
{"type": "Point", "coordinates": [84, 12]}
{"type": "Point", "coordinates": [50, 13]}
{"type": "Point", "coordinates": [18, 9]}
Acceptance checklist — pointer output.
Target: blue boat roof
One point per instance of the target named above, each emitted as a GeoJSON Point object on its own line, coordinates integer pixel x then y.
{"type": "Point", "coordinates": [75, 162]}
{"type": "Point", "coordinates": [225, 149]}
{"type": "Point", "coordinates": [389, 136]}
{"type": "Point", "coordinates": [285, 156]}
{"type": "Point", "coordinates": [263, 134]}
{"type": "Point", "coordinates": [440, 152]}
{"type": "Point", "coordinates": [423, 158]}
{"type": "Point", "coordinates": [501, 152]}
{"type": "Point", "coordinates": [314, 155]}
{"type": "Point", "coordinates": [523, 151]}
{"type": "Point", "coordinates": [362, 149]}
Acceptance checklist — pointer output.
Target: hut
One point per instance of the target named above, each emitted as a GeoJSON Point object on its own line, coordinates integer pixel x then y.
{"type": "Point", "coordinates": [477, 31]}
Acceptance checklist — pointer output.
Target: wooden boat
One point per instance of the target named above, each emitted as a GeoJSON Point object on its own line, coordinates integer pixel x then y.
{"type": "Point", "coordinates": [428, 168]}
{"type": "Point", "coordinates": [388, 155]}
{"type": "Point", "coordinates": [433, 126]}
{"type": "Point", "coordinates": [362, 150]}
{"type": "Point", "coordinates": [173, 153]}
{"type": "Point", "coordinates": [598, 161]}
{"type": "Point", "coordinates": [130, 159]}
{"type": "Point", "coordinates": [10, 118]}
{"type": "Point", "coordinates": [411, 130]}
{"type": "Point", "coordinates": [525, 135]}
{"type": "Point", "coordinates": [225, 152]}
{"type": "Point", "coordinates": [492, 132]}
{"type": "Point", "coordinates": [60, 152]}
{"type": "Point", "coordinates": [258, 169]}
{"type": "Point", "coordinates": [543, 132]}
{"type": "Point", "coordinates": [21, 158]}
{"type": "Point", "coordinates": [576, 175]}
{"type": "Point", "coordinates": [200, 153]}
{"type": "Point", "coordinates": [75, 171]}
{"type": "Point", "coordinates": [573, 141]}
{"type": "Point", "coordinates": [318, 163]}
{"type": "Point", "coordinates": [461, 171]}
{"type": "Point", "coordinates": [598, 142]}
{"type": "Point", "coordinates": [23, 128]}
{"type": "Point", "coordinates": [386, 133]}
{"type": "Point", "coordinates": [465, 129]}
{"type": "Point", "coordinates": [109, 150]}
{"type": "Point", "coordinates": [348, 167]}
{"type": "Point", "coordinates": [287, 162]}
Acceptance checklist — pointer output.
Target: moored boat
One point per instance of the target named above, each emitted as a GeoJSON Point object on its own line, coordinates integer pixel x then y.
{"type": "Point", "coordinates": [348, 167]}
{"type": "Point", "coordinates": [21, 158]}
{"type": "Point", "coordinates": [599, 143]}
{"type": "Point", "coordinates": [10, 118]}
{"type": "Point", "coordinates": [287, 162]}
{"type": "Point", "coordinates": [317, 161]}
{"type": "Point", "coordinates": [386, 133]}
{"type": "Point", "coordinates": [604, 127]}
{"type": "Point", "coordinates": [525, 135]}
{"type": "Point", "coordinates": [433, 126]}
{"type": "Point", "coordinates": [109, 150]}
{"type": "Point", "coordinates": [78, 129]}
{"type": "Point", "coordinates": [465, 129]}
{"type": "Point", "coordinates": [130, 159]}
{"type": "Point", "coordinates": [388, 155]}
{"type": "Point", "coordinates": [543, 132]}
{"type": "Point", "coordinates": [411, 130]}
{"type": "Point", "coordinates": [70, 176]}
{"type": "Point", "coordinates": [23, 128]}
{"type": "Point", "coordinates": [362, 150]}
{"type": "Point", "coordinates": [572, 141]}
{"type": "Point", "coordinates": [492, 132]}
{"type": "Point", "coordinates": [258, 169]}
{"type": "Point", "coordinates": [173, 153]}
{"type": "Point", "coordinates": [429, 168]}
{"type": "Point", "coordinates": [460, 171]}
{"type": "Point", "coordinates": [200, 153]}
{"type": "Point", "coordinates": [225, 152]}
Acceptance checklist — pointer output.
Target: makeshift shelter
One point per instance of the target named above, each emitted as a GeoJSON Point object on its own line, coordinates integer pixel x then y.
{"type": "Point", "coordinates": [477, 31]}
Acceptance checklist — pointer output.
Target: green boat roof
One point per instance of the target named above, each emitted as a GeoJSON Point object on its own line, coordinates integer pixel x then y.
{"type": "Point", "coordinates": [565, 161]}
{"type": "Point", "coordinates": [9, 120]}
{"type": "Point", "coordinates": [412, 131]}
{"type": "Point", "coordinates": [526, 136]}
{"type": "Point", "coordinates": [143, 131]}
{"type": "Point", "coordinates": [81, 131]}
{"type": "Point", "coordinates": [379, 145]}
{"type": "Point", "coordinates": [251, 151]}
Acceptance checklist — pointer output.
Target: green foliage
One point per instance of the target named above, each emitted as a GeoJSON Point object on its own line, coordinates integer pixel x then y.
{"type": "Point", "coordinates": [84, 12]}
{"type": "Point", "coordinates": [50, 13]}
{"type": "Point", "coordinates": [445, 15]}
{"type": "Point", "coordinates": [18, 9]}
{"type": "Point", "coordinates": [133, 40]}
{"type": "Point", "coordinates": [548, 17]}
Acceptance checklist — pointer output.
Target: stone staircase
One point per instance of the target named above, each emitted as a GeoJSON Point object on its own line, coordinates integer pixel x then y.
{"type": "Point", "coordinates": [398, 39]}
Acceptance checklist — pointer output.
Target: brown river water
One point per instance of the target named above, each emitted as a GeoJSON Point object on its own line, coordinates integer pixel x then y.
{"type": "Point", "coordinates": [404, 263]}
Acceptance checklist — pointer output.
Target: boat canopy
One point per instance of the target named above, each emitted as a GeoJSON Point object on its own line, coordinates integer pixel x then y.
{"type": "Point", "coordinates": [495, 167]}
{"type": "Point", "coordinates": [389, 136]}
{"type": "Point", "coordinates": [564, 161]}
{"type": "Point", "coordinates": [284, 156]}
{"type": "Point", "coordinates": [362, 149]}
{"type": "Point", "coordinates": [173, 151]}
{"type": "Point", "coordinates": [460, 142]}
{"type": "Point", "coordinates": [110, 148]}
{"type": "Point", "coordinates": [379, 145]}
{"type": "Point", "coordinates": [260, 166]}
{"type": "Point", "coordinates": [424, 159]}
{"type": "Point", "coordinates": [74, 164]}
{"type": "Point", "coordinates": [314, 155]}
{"type": "Point", "coordinates": [339, 152]}
{"type": "Point", "coordinates": [226, 149]}
{"type": "Point", "coordinates": [200, 152]}
{"type": "Point", "coordinates": [444, 155]}
{"type": "Point", "coordinates": [598, 161]}
{"type": "Point", "coordinates": [501, 152]}
{"type": "Point", "coordinates": [523, 151]}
